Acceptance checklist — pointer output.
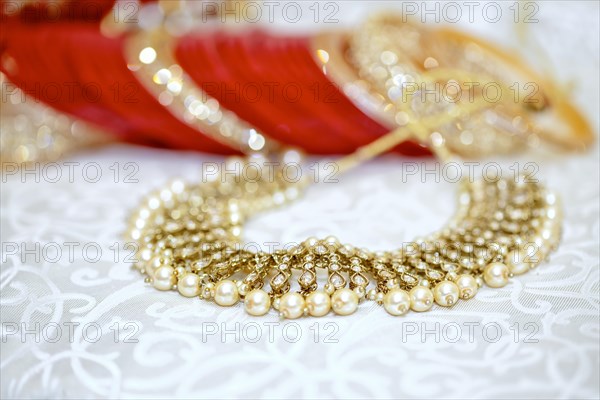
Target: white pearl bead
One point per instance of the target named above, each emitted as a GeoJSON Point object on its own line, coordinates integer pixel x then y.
{"type": "Point", "coordinates": [329, 289]}
{"type": "Point", "coordinates": [158, 261]}
{"type": "Point", "coordinates": [164, 278]}
{"type": "Point", "coordinates": [208, 291]}
{"type": "Point", "coordinates": [467, 286]}
{"type": "Point", "coordinates": [421, 298]}
{"type": "Point", "coordinates": [516, 262]}
{"type": "Point", "coordinates": [311, 241]}
{"type": "Point", "coordinates": [446, 293]}
{"type": "Point", "coordinates": [360, 292]}
{"type": "Point", "coordinates": [189, 285]}
{"type": "Point", "coordinates": [154, 264]}
{"type": "Point", "coordinates": [291, 305]}
{"type": "Point", "coordinates": [180, 271]}
{"type": "Point", "coordinates": [332, 241]}
{"type": "Point", "coordinates": [318, 303]}
{"type": "Point", "coordinates": [145, 254]}
{"type": "Point", "coordinates": [396, 302]}
{"type": "Point", "coordinates": [372, 294]}
{"type": "Point", "coordinates": [243, 289]}
{"type": "Point", "coordinates": [226, 293]}
{"type": "Point", "coordinates": [344, 301]}
{"type": "Point", "coordinates": [496, 274]}
{"type": "Point", "coordinates": [257, 302]}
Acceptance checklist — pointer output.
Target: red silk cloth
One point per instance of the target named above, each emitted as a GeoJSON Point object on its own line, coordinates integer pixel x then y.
{"type": "Point", "coordinates": [268, 80]}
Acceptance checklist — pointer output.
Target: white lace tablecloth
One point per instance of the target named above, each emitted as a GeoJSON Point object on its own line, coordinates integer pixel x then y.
{"type": "Point", "coordinates": [78, 322]}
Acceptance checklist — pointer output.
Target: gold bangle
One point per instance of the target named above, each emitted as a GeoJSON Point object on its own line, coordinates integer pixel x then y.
{"type": "Point", "coordinates": [149, 53]}
{"type": "Point", "coordinates": [386, 49]}
{"type": "Point", "coordinates": [553, 115]}
{"type": "Point", "coordinates": [359, 65]}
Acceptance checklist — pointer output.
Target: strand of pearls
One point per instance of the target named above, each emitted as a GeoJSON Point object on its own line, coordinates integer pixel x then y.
{"type": "Point", "coordinates": [189, 241]}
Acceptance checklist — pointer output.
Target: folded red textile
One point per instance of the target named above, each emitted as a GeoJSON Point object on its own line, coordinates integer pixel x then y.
{"type": "Point", "coordinates": [271, 81]}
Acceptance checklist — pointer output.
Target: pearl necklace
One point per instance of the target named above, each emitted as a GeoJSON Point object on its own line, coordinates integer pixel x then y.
{"type": "Point", "coordinates": [189, 240]}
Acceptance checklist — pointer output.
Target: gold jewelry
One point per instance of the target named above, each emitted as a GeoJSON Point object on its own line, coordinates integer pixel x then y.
{"type": "Point", "coordinates": [150, 57]}
{"type": "Point", "coordinates": [376, 67]}
{"type": "Point", "coordinates": [553, 116]}
{"type": "Point", "coordinates": [189, 239]}
{"type": "Point", "coordinates": [149, 50]}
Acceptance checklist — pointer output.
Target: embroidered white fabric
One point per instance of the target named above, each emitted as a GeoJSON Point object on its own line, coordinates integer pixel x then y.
{"type": "Point", "coordinates": [77, 322]}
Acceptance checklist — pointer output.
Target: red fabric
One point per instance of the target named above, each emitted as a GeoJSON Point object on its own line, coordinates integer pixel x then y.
{"type": "Point", "coordinates": [270, 81]}
{"type": "Point", "coordinates": [76, 70]}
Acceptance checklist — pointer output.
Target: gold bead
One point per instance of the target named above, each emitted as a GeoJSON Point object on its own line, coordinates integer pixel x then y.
{"type": "Point", "coordinates": [208, 291]}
